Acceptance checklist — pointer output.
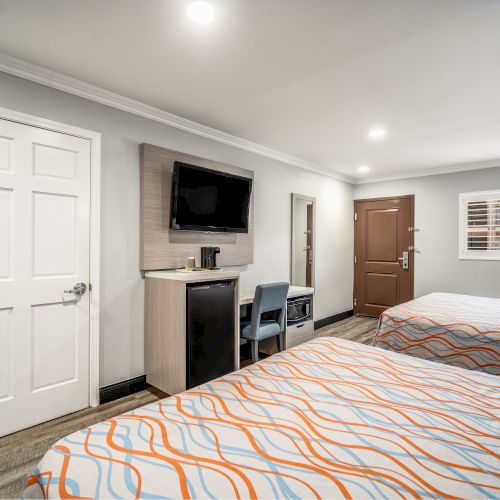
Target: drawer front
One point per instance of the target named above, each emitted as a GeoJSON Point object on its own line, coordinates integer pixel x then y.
{"type": "Point", "coordinates": [298, 334]}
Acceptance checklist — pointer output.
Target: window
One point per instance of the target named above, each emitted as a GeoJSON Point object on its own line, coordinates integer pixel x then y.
{"type": "Point", "coordinates": [480, 225]}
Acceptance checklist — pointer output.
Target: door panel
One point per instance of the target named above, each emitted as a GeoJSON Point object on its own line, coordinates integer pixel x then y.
{"type": "Point", "coordinates": [5, 354]}
{"type": "Point", "coordinates": [54, 162]}
{"type": "Point", "coordinates": [5, 153]}
{"type": "Point", "coordinates": [382, 233]}
{"type": "Point", "coordinates": [55, 231]}
{"type": "Point", "coordinates": [5, 230]}
{"type": "Point", "coordinates": [382, 289]}
{"type": "Point", "coordinates": [54, 338]}
{"type": "Point", "coordinates": [44, 250]}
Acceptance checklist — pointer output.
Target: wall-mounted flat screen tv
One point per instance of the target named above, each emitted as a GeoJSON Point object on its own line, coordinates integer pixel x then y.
{"type": "Point", "coordinates": [209, 200]}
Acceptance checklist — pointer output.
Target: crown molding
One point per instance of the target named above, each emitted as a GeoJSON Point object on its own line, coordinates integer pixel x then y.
{"type": "Point", "coordinates": [448, 169]}
{"type": "Point", "coordinates": [43, 76]}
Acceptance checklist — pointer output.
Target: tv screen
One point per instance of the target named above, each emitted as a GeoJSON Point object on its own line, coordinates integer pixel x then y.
{"type": "Point", "coordinates": [208, 200]}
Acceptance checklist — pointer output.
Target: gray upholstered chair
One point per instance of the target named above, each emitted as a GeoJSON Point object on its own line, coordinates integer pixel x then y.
{"type": "Point", "coordinates": [268, 298]}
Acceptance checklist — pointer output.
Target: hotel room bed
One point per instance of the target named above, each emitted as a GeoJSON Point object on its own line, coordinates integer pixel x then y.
{"type": "Point", "coordinates": [461, 330]}
{"type": "Point", "coordinates": [330, 418]}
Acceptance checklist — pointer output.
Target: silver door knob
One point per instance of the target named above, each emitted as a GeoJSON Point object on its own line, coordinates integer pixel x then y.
{"type": "Point", "coordinates": [79, 289]}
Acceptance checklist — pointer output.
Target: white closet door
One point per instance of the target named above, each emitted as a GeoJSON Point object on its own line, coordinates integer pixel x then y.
{"type": "Point", "coordinates": [44, 250]}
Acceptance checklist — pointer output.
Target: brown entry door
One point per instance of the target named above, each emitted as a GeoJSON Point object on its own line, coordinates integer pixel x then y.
{"type": "Point", "coordinates": [383, 243]}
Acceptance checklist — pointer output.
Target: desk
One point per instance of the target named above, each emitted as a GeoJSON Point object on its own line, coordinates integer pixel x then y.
{"type": "Point", "coordinates": [246, 296]}
{"type": "Point", "coordinates": [294, 334]}
{"type": "Point", "coordinates": [166, 315]}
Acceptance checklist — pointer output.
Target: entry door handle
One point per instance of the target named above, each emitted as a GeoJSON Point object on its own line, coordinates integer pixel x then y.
{"type": "Point", "coordinates": [79, 289]}
{"type": "Point", "coordinates": [404, 260]}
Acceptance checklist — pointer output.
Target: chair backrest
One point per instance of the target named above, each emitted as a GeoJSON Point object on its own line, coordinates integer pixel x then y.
{"type": "Point", "coordinates": [269, 297]}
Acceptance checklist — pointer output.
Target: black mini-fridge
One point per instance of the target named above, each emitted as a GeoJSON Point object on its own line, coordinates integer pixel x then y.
{"type": "Point", "coordinates": [209, 332]}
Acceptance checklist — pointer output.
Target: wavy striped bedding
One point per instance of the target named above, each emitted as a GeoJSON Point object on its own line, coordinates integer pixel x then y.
{"type": "Point", "coordinates": [461, 330]}
{"type": "Point", "coordinates": [327, 419]}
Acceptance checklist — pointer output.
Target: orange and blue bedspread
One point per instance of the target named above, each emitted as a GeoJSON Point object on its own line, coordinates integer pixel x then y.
{"type": "Point", "coordinates": [461, 330]}
{"type": "Point", "coordinates": [327, 419]}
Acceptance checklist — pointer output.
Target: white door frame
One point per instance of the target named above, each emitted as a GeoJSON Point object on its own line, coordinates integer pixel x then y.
{"type": "Point", "coordinates": [95, 207]}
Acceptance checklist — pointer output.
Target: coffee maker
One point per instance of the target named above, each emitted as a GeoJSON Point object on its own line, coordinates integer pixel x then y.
{"type": "Point", "coordinates": [209, 257]}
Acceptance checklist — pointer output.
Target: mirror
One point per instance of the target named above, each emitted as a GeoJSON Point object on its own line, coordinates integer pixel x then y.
{"type": "Point", "coordinates": [303, 230]}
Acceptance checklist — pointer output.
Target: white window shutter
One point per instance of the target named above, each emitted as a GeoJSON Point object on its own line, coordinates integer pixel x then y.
{"type": "Point", "coordinates": [480, 225]}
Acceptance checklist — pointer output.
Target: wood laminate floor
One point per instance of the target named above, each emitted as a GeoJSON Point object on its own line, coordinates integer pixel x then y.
{"type": "Point", "coordinates": [357, 328]}
{"type": "Point", "coordinates": [21, 452]}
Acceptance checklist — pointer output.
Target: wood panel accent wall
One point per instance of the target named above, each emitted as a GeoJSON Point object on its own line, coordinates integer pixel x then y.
{"type": "Point", "coordinates": [162, 248]}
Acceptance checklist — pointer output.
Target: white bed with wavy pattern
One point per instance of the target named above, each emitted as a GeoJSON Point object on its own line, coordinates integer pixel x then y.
{"type": "Point", "coordinates": [327, 419]}
{"type": "Point", "coordinates": [461, 330]}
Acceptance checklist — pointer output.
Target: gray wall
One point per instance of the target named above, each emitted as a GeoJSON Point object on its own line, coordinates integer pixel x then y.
{"type": "Point", "coordinates": [437, 266]}
{"type": "Point", "coordinates": [122, 313]}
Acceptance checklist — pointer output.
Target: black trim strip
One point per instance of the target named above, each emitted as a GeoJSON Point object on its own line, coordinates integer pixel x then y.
{"type": "Point", "coordinates": [121, 389]}
{"type": "Point", "coordinates": [332, 319]}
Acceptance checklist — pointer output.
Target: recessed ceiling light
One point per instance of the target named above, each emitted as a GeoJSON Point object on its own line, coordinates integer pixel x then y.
{"type": "Point", "coordinates": [363, 169]}
{"type": "Point", "coordinates": [376, 133]}
{"type": "Point", "coordinates": [201, 12]}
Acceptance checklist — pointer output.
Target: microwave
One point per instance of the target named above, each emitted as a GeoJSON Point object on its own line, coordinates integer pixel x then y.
{"type": "Point", "coordinates": [298, 309]}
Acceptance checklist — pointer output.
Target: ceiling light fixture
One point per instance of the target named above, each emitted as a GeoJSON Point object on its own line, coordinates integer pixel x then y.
{"type": "Point", "coordinates": [363, 169]}
{"type": "Point", "coordinates": [376, 133]}
{"type": "Point", "coordinates": [201, 12]}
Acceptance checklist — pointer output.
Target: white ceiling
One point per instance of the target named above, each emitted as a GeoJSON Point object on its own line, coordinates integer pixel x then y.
{"type": "Point", "coordinates": [305, 77]}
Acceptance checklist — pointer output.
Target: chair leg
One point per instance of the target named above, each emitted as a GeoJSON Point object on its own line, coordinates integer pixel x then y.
{"type": "Point", "coordinates": [255, 350]}
{"type": "Point", "coordinates": [280, 342]}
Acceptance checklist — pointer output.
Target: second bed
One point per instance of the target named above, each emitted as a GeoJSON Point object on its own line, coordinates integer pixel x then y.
{"type": "Point", "coordinates": [461, 330]}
